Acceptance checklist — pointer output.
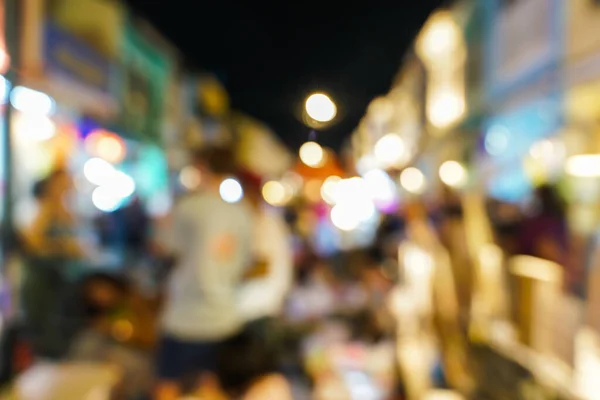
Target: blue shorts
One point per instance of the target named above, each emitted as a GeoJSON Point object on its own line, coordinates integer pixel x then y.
{"type": "Point", "coordinates": [178, 360]}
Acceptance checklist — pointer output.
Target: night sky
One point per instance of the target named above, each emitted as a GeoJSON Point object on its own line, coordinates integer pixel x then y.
{"type": "Point", "coordinates": [272, 54]}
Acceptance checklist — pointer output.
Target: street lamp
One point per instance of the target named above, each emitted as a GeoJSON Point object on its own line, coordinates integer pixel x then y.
{"type": "Point", "coordinates": [320, 107]}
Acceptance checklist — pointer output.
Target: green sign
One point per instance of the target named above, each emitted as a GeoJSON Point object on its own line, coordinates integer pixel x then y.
{"type": "Point", "coordinates": [142, 86]}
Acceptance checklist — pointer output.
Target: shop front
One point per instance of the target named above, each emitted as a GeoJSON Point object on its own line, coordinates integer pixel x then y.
{"type": "Point", "coordinates": [582, 181]}
{"type": "Point", "coordinates": [72, 80]}
{"type": "Point", "coordinates": [582, 114]}
{"type": "Point", "coordinates": [524, 88]}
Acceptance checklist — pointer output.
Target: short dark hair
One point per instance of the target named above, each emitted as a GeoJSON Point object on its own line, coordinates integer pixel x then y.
{"type": "Point", "coordinates": [242, 360]}
{"type": "Point", "coordinates": [117, 282]}
{"type": "Point", "coordinates": [219, 159]}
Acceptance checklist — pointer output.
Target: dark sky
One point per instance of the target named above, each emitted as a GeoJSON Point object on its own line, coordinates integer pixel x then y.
{"type": "Point", "coordinates": [272, 54]}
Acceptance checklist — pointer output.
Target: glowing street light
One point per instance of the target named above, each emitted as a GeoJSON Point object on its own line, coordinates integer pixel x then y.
{"type": "Point", "coordinates": [312, 154]}
{"type": "Point", "coordinates": [320, 107]}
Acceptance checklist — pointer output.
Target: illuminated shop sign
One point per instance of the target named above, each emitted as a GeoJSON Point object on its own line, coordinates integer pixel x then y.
{"type": "Point", "coordinates": [523, 41]}
{"type": "Point", "coordinates": [67, 56]}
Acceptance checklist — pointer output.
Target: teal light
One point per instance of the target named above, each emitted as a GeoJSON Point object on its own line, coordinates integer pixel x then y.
{"type": "Point", "coordinates": [150, 171]}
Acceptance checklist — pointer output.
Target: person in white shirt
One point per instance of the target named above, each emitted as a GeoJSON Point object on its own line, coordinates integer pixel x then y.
{"type": "Point", "coordinates": [262, 297]}
{"type": "Point", "coordinates": [212, 242]}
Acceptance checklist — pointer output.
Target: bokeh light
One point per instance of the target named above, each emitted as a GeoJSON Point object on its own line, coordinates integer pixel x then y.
{"type": "Point", "coordinates": [382, 189]}
{"type": "Point", "coordinates": [413, 180]}
{"type": "Point", "coordinates": [34, 127]}
{"type": "Point", "coordinates": [328, 189]}
{"type": "Point", "coordinates": [98, 171]}
{"type": "Point", "coordinates": [107, 145]}
{"type": "Point", "coordinates": [111, 148]}
{"type": "Point", "coordinates": [122, 184]}
{"type": "Point", "coordinates": [584, 165]}
{"type": "Point", "coordinates": [453, 174]}
{"type": "Point", "coordinates": [446, 106]}
{"type": "Point", "coordinates": [353, 204]}
{"type": "Point", "coordinates": [231, 190]}
{"type": "Point", "coordinates": [344, 218]}
{"type": "Point", "coordinates": [390, 151]}
{"type": "Point", "coordinates": [32, 102]}
{"type": "Point", "coordinates": [277, 193]}
{"type": "Point", "coordinates": [106, 199]}
{"type": "Point", "coordinates": [440, 37]}
{"type": "Point", "coordinates": [312, 154]}
{"type": "Point", "coordinates": [320, 107]}
{"type": "Point", "coordinates": [190, 178]}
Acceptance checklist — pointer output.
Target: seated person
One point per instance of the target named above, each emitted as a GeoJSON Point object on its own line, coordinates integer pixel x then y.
{"type": "Point", "coordinates": [119, 329]}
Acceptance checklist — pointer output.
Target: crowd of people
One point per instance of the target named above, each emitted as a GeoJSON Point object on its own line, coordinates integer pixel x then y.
{"type": "Point", "coordinates": [237, 312]}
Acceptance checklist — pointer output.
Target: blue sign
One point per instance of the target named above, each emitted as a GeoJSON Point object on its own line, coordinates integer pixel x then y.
{"type": "Point", "coordinates": [524, 40]}
{"type": "Point", "coordinates": [71, 58]}
{"type": "Point", "coordinates": [508, 138]}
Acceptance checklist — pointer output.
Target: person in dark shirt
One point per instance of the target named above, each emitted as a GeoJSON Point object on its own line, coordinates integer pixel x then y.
{"type": "Point", "coordinates": [545, 233]}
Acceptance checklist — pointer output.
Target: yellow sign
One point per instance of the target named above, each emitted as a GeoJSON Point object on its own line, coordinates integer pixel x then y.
{"type": "Point", "coordinates": [213, 97]}
{"type": "Point", "coordinates": [98, 22]}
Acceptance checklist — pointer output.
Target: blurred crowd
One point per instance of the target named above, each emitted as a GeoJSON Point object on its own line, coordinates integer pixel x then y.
{"type": "Point", "coordinates": [234, 305]}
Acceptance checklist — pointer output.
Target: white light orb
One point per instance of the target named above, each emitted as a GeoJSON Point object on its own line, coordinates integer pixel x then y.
{"type": "Point", "coordinates": [32, 102]}
{"type": "Point", "coordinates": [350, 189]}
{"type": "Point", "coordinates": [328, 189]}
{"type": "Point", "coordinates": [453, 174]}
{"type": "Point", "coordinates": [98, 171]}
{"type": "Point", "coordinates": [440, 37]}
{"type": "Point", "coordinates": [123, 184]}
{"type": "Point", "coordinates": [231, 190]}
{"type": "Point", "coordinates": [320, 107]}
{"type": "Point", "coordinates": [37, 128]}
{"type": "Point", "coordinates": [380, 186]}
{"type": "Point", "coordinates": [584, 166]}
{"type": "Point", "coordinates": [106, 199]}
{"type": "Point", "coordinates": [390, 151]}
{"type": "Point", "coordinates": [413, 180]}
{"type": "Point", "coordinates": [344, 218]}
{"type": "Point", "coordinates": [312, 154]}
{"type": "Point", "coordinates": [445, 107]}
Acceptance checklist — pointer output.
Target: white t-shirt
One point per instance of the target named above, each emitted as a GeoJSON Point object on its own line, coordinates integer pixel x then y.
{"type": "Point", "coordinates": [212, 239]}
{"type": "Point", "coordinates": [265, 296]}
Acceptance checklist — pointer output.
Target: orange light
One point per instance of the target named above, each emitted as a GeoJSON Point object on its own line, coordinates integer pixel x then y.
{"type": "Point", "coordinates": [106, 145]}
